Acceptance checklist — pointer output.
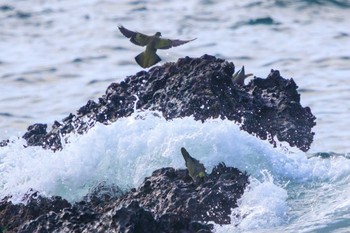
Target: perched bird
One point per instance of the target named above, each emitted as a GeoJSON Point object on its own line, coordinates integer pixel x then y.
{"type": "Point", "coordinates": [240, 76]}
{"type": "Point", "coordinates": [149, 57]}
{"type": "Point", "coordinates": [196, 170]}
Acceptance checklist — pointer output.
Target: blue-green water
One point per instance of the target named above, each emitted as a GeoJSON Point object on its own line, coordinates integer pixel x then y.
{"type": "Point", "coordinates": [56, 55]}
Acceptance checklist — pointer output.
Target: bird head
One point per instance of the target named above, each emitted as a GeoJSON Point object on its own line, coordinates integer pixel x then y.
{"type": "Point", "coordinates": [158, 34]}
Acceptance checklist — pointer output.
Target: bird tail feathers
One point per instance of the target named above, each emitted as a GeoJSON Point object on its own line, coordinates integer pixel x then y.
{"type": "Point", "coordinates": [147, 59]}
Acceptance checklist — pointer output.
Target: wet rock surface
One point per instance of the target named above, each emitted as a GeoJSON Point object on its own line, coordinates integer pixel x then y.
{"type": "Point", "coordinates": [201, 87]}
{"type": "Point", "coordinates": [13, 216]}
{"type": "Point", "coordinates": [167, 201]}
{"type": "Point", "coordinates": [170, 190]}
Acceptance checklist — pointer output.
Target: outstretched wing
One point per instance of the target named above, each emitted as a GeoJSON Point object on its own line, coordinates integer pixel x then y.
{"type": "Point", "coordinates": [135, 37]}
{"type": "Point", "coordinates": [167, 43]}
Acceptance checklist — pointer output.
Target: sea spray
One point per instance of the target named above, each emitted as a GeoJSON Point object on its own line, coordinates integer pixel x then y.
{"type": "Point", "coordinates": [287, 190]}
{"type": "Point", "coordinates": [122, 154]}
{"type": "Point", "coordinates": [263, 205]}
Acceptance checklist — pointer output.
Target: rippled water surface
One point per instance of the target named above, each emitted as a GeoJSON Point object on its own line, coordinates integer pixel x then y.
{"type": "Point", "coordinates": [56, 55]}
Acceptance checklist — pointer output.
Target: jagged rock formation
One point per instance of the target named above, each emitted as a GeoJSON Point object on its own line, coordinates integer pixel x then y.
{"type": "Point", "coordinates": [200, 87]}
{"type": "Point", "coordinates": [170, 190]}
{"type": "Point", "coordinates": [167, 201]}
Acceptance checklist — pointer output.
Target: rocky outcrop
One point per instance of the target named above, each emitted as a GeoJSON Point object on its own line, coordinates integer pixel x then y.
{"type": "Point", "coordinates": [13, 216]}
{"type": "Point", "coordinates": [170, 190]}
{"type": "Point", "coordinates": [200, 87]}
{"type": "Point", "coordinates": [167, 201]}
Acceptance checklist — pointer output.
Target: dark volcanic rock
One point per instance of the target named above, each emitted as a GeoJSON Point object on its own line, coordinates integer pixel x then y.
{"type": "Point", "coordinates": [36, 134]}
{"type": "Point", "coordinates": [278, 112]}
{"type": "Point", "coordinates": [167, 201]}
{"type": "Point", "coordinates": [199, 87]}
{"type": "Point", "coordinates": [170, 190]}
{"type": "Point", "coordinates": [13, 216]}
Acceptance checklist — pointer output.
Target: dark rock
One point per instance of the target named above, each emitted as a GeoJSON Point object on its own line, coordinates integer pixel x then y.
{"type": "Point", "coordinates": [4, 142]}
{"type": "Point", "coordinates": [176, 223]}
{"type": "Point", "coordinates": [279, 112]}
{"type": "Point", "coordinates": [173, 191]}
{"type": "Point", "coordinates": [200, 87]}
{"type": "Point", "coordinates": [13, 216]}
{"type": "Point", "coordinates": [129, 219]}
{"type": "Point", "coordinates": [167, 201]}
{"type": "Point", "coordinates": [132, 218]}
{"type": "Point", "coordinates": [35, 136]}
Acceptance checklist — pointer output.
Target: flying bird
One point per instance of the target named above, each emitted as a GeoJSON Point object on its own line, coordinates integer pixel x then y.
{"type": "Point", "coordinates": [196, 169]}
{"type": "Point", "coordinates": [149, 57]}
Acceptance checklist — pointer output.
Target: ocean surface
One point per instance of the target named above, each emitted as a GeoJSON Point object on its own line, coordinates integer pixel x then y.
{"type": "Point", "coordinates": [55, 55]}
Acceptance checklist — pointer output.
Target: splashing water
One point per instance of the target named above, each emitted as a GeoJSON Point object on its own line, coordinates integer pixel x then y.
{"type": "Point", "coordinates": [123, 153]}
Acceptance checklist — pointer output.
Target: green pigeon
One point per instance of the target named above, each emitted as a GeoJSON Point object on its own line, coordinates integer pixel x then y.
{"type": "Point", "coordinates": [240, 76]}
{"type": "Point", "coordinates": [149, 57]}
{"type": "Point", "coordinates": [196, 170]}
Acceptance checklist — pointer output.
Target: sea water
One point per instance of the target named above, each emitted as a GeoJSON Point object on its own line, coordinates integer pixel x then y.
{"type": "Point", "coordinates": [56, 55]}
{"type": "Point", "coordinates": [287, 190]}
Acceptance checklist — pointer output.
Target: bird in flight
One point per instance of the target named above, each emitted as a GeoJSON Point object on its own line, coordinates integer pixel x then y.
{"type": "Point", "coordinates": [149, 57]}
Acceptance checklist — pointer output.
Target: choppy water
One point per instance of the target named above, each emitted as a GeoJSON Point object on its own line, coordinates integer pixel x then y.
{"type": "Point", "coordinates": [56, 55]}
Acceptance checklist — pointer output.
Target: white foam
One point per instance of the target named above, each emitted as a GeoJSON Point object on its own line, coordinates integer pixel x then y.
{"type": "Point", "coordinates": [130, 149]}
{"type": "Point", "coordinates": [262, 206]}
{"type": "Point", "coordinates": [124, 153]}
